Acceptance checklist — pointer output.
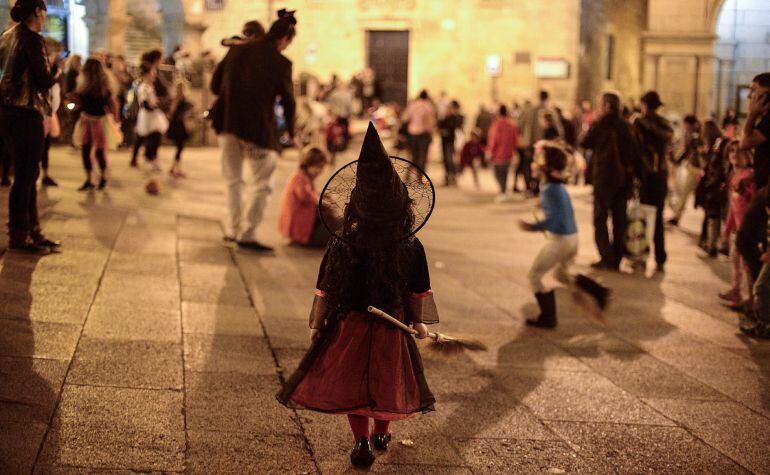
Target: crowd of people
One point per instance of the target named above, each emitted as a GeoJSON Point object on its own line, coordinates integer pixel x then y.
{"type": "Point", "coordinates": [630, 155]}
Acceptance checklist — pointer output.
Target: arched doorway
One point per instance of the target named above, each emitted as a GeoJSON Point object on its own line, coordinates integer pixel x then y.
{"type": "Point", "coordinates": [742, 51]}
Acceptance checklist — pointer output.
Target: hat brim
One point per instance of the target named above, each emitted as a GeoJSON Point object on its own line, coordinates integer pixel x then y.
{"type": "Point", "coordinates": [336, 194]}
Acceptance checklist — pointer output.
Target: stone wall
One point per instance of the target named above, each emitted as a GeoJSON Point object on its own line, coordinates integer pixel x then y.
{"type": "Point", "coordinates": [449, 41]}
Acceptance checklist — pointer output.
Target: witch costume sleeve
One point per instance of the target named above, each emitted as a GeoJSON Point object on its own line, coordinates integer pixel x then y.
{"type": "Point", "coordinates": [359, 364]}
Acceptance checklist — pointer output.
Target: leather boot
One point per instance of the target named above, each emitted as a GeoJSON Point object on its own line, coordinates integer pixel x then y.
{"type": "Point", "coordinates": [593, 288]}
{"type": "Point", "coordinates": [547, 303]}
{"type": "Point", "coordinates": [362, 455]}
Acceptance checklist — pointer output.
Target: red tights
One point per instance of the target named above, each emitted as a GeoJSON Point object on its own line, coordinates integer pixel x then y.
{"type": "Point", "coordinates": [360, 426]}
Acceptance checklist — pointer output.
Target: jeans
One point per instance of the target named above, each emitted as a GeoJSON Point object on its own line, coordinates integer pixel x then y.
{"type": "Point", "coordinates": [654, 193]}
{"type": "Point", "coordinates": [610, 204]}
{"type": "Point", "coordinates": [559, 252]}
{"type": "Point", "coordinates": [448, 152]}
{"type": "Point", "coordinates": [524, 167]}
{"type": "Point", "coordinates": [753, 233]}
{"type": "Point", "coordinates": [418, 146]}
{"type": "Point", "coordinates": [262, 163]}
{"type": "Point", "coordinates": [691, 181]}
{"type": "Point", "coordinates": [501, 174]}
{"type": "Point", "coordinates": [24, 138]}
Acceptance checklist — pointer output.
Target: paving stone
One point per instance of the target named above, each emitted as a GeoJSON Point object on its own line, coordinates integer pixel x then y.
{"type": "Point", "coordinates": [46, 308]}
{"type": "Point", "coordinates": [227, 452]}
{"type": "Point", "coordinates": [746, 386]}
{"type": "Point", "coordinates": [30, 388]}
{"type": "Point", "coordinates": [38, 339]}
{"type": "Point", "coordinates": [119, 428]}
{"type": "Point", "coordinates": [130, 364]}
{"type": "Point", "coordinates": [131, 323]}
{"type": "Point", "coordinates": [246, 355]}
{"type": "Point", "coordinates": [220, 319]}
{"type": "Point", "coordinates": [294, 334]}
{"type": "Point", "coordinates": [216, 295]}
{"type": "Point", "coordinates": [19, 444]}
{"type": "Point", "coordinates": [204, 252]}
{"type": "Point", "coordinates": [158, 265]}
{"type": "Point", "coordinates": [159, 300]}
{"type": "Point", "coordinates": [634, 371]}
{"type": "Point", "coordinates": [623, 448]}
{"type": "Point", "coordinates": [729, 427]}
{"type": "Point", "coordinates": [521, 456]}
{"type": "Point", "coordinates": [231, 403]}
{"type": "Point", "coordinates": [583, 397]}
{"type": "Point", "coordinates": [199, 229]}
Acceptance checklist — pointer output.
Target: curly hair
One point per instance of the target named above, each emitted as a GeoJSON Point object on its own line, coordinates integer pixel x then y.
{"type": "Point", "coordinates": [369, 246]}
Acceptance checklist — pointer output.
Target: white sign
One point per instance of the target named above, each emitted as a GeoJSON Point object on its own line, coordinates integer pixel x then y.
{"type": "Point", "coordinates": [494, 65]}
{"type": "Point", "coordinates": [551, 68]}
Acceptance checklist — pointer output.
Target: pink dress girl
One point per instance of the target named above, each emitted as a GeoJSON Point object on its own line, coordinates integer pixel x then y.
{"type": "Point", "coordinates": [742, 190]}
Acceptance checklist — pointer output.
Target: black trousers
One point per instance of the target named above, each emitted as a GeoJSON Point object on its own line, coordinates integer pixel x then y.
{"type": "Point", "coordinates": [46, 151]}
{"type": "Point", "coordinates": [23, 137]}
{"type": "Point", "coordinates": [151, 145]}
{"type": "Point", "coordinates": [448, 152]}
{"type": "Point", "coordinates": [524, 168]}
{"type": "Point", "coordinates": [610, 204]}
{"type": "Point", "coordinates": [654, 193]}
{"type": "Point", "coordinates": [418, 146]}
{"type": "Point", "coordinates": [752, 236]}
{"type": "Point", "coordinates": [180, 144]}
{"type": "Point", "coordinates": [5, 159]}
{"type": "Point", "coordinates": [100, 158]}
{"type": "Point", "coordinates": [138, 142]}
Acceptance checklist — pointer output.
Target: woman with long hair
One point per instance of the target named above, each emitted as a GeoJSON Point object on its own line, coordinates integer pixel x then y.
{"type": "Point", "coordinates": [26, 78]}
{"type": "Point", "coordinates": [711, 192]}
{"type": "Point", "coordinates": [96, 100]}
{"type": "Point", "coordinates": [357, 365]}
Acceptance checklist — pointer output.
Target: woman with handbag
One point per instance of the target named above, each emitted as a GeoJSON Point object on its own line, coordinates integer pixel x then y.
{"type": "Point", "coordinates": [94, 132]}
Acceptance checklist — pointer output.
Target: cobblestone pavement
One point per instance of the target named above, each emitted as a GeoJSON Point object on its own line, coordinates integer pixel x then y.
{"type": "Point", "coordinates": [147, 345]}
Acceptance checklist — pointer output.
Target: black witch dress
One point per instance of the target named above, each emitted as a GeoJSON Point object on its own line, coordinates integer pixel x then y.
{"type": "Point", "coordinates": [361, 364]}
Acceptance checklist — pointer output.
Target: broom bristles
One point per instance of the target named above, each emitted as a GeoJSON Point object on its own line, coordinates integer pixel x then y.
{"type": "Point", "coordinates": [447, 345]}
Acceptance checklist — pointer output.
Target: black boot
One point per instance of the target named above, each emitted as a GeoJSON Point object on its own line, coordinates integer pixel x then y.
{"type": "Point", "coordinates": [381, 441]}
{"type": "Point", "coordinates": [593, 288]}
{"type": "Point", "coordinates": [362, 456]}
{"type": "Point", "coordinates": [547, 318]}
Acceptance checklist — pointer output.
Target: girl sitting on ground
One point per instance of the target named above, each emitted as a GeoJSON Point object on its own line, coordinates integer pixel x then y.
{"type": "Point", "coordinates": [299, 221]}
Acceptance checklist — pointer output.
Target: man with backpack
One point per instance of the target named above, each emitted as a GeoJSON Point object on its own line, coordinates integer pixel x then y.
{"type": "Point", "coordinates": [615, 164]}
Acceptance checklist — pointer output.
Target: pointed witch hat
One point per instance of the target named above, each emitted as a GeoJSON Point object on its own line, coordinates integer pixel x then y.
{"type": "Point", "coordinates": [377, 192]}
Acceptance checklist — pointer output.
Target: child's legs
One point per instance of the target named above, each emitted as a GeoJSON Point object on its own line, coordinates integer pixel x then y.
{"type": "Point", "coordinates": [737, 265]}
{"type": "Point", "coordinates": [101, 159]}
{"type": "Point", "coordinates": [359, 425]}
{"type": "Point", "coordinates": [569, 252]}
{"type": "Point", "coordinates": [548, 258]}
{"type": "Point", "coordinates": [381, 427]}
{"type": "Point", "coordinates": [179, 148]}
{"type": "Point", "coordinates": [86, 155]}
{"type": "Point", "coordinates": [151, 145]}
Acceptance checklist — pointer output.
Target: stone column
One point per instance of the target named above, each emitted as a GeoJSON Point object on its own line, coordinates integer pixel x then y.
{"type": "Point", "coordinates": [118, 23]}
{"type": "Point", "coordinates": [97, 21]}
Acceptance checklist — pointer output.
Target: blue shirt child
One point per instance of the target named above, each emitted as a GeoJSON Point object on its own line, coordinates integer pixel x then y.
{"type": "Point", "coordinates": [559, 215]}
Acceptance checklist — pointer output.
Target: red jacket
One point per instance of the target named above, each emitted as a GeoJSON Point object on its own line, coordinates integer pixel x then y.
{"type": "Point", "coordinates": [299, 208]}
{"type": "Point", "coordinates": [503, 140]}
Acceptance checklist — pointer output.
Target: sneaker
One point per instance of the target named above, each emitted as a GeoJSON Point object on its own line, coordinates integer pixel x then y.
{"type": "Point", "coordinates": [48, 181]}
{"type": "Point", "coordinates": [254, 246]}
{"type": "Point", "coordinates": [87, 186]}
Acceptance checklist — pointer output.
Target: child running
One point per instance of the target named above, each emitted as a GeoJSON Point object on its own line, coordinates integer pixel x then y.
{"type": "Point", "coordinates": [562, 245]}
{"type": "Point", "coordinates": [472, 150]}
{"type": "Point", "coordinates": [95, 100]}
{"type": "Point", "coordinates": [741, 190]}
{"type": "Point", "coordinates": [358, 365]}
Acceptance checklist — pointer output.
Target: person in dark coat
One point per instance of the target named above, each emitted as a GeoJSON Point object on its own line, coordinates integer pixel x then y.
{"type": "Point", "coordinates": [247, 83]}
{"type": "Point", "coordinates": [26, 78]}
{"type": "Point", "coordinates": [615, 164]}
{"type": "Point", "coordinates": [654, 134]}
{"type": "Point", "coordinates": [448, 127]}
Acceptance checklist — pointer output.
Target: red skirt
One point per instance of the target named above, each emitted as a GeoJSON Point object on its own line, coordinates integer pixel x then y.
{"type": "Point", "coordinates": [363, 366]}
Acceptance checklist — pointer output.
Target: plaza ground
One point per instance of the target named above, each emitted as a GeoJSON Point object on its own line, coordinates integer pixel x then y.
{"type": "Point", "coordinates": [147, 345]}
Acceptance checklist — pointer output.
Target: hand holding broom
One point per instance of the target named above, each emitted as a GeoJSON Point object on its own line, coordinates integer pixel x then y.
{"type": "Point", "coordinates": [442, 344]}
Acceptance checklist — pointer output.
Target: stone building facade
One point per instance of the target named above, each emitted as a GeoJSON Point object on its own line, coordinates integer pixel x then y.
{"type": "Point", "coordinates": [476, 50]}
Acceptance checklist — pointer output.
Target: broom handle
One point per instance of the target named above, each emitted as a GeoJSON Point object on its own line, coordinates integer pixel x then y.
{"type": "Point", "coordinates": [399, 324]}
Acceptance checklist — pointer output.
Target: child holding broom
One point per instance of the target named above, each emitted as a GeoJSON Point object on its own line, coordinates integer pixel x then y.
{"type": "Point", "coordinates": [359, 365]}
{"type": "Point", "coordinates": [562, 246]}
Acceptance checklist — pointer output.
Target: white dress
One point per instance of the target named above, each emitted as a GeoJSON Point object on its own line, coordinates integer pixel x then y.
{"type": "Point", "coordinates": [149, 121]}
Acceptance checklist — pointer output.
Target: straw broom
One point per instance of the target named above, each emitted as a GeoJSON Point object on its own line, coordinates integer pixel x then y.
{"type": "Point", "coordinates": [441, 344]}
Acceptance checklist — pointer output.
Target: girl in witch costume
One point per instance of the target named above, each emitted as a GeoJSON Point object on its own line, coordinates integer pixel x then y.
{"type": "Point", "coordinates": [357, 364]}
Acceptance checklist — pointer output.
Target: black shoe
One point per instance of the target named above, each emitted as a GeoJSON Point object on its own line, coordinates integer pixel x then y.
{"type": "Point", "coordinates": [86, 186]}
{"type": "Point", "coordinates": [661, 268]}
{"type": "Point", "coordinates": [673, 222]}
{"type": "Point", "coordinates": [102, 183]}
{"type": "Point", "coordinates": [596, 290]}
{"type": "Point", "coordinates": [43, 241]}
{"type": "Point", "coordinates": [254, 246]}
{"type": "Point", "coordinates": [381, 441]}
{"type": "Point", "coordinates": [362, 456]}
{"type": "Point", "coordinates": [29, 247]}
{"type": "Point", "coordinates": [48, 181]}
{"type": "Point", "coordinates": [547, 318]}
{"type": "Point", "coordinates": [713, 253]}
